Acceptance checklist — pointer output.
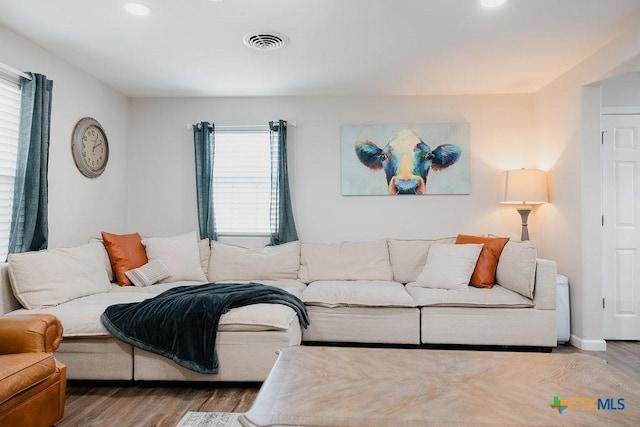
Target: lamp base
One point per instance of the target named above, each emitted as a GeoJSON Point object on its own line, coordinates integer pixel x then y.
{"type": "Point", "coordinates": [524, 214]}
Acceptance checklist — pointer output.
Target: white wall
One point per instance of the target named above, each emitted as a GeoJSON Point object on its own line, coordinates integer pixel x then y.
{"type": "Point", "coordinates": [568, 114]}
{"type": "Point", "coordinates": [161, 172]}
{"type": "Point", "coordinates": [622, 90]}
{"type": "Point", "coordinates": [78, 207]}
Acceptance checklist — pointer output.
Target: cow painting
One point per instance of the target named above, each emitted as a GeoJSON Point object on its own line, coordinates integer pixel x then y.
{"type": "Point", "coordinates": [407, 160]}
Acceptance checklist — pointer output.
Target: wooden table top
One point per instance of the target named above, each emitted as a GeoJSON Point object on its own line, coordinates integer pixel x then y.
{"type": "Point", "coordinates": [339, 386]}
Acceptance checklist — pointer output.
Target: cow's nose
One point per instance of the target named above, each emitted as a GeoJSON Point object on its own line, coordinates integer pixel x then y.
{"type": "Point", "coordinates": [406, 186]}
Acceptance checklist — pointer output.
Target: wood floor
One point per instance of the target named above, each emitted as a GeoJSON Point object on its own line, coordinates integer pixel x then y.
{"type": "Point", "coordinates": [150, 403]}
{"type": "Point", "coordinates": [124, 404]}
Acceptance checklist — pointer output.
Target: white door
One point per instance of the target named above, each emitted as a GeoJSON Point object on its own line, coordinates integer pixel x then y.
{"type": "Point", "coordinates": [621, 226]}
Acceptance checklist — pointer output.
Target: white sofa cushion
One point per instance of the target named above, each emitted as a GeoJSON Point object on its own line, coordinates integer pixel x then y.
{"type": "Point", "coordinates": [228, 262]}
{"type": "Point", "coordinates": [107, 261]}
{"type": "Point", "coordinates": [257, 317]}
{"type": "Point", "coordinates": [497, 297]}
{"type": "Point", "coordinates": [180, 254]}
{"type": "Point", "coordinates": [517, 267]}
{"type": "Point", "coordinates": [383, 325]}
{"type": "Point", "coordinates": [345, 261]}
{"type": "Point", "coordinates": [357, 293]}
{"type": "Point", "coordinates": [52, 277]}
{"type": "Point", "coordinates": [251, 318]}
{"type": "Point", "coordinates": [449, 266]}
{"type": "Point", "coordinates": [409, 256]}
{"type": "Point", "coordinates": [204, 249]}
{"type": "Point", "coordinates": [81, 317]}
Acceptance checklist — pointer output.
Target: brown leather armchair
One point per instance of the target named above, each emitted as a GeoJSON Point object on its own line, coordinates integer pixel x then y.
{"type": "Point", "coordinates": [32, 381]}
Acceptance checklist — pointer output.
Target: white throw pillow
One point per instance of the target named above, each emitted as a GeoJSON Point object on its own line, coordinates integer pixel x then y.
{"type": "Point", "coordinates": [180, 254]}
{"type": "Point", "coordinates": [517, 267]}
{"type": "Point", "coordinates": [150, 273]}
{"type": "Point", "coordinates": [449, 266]}
{"type": "Point", "coordinates": [52, 277]}
{"type": "Point", "coordinates": [230, 262]}
{"type": "Point", "coordinates": [345, 261]}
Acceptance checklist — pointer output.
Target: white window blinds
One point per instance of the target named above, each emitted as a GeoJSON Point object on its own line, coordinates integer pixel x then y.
{"type": "Point", "coordinates": [242, 182]}
{"type": "Point", "coordinates": [10, 96]}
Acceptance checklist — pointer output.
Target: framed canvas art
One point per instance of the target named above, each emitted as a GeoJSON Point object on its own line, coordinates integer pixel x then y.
{"type": "Point", "coordinates": [392, 159]}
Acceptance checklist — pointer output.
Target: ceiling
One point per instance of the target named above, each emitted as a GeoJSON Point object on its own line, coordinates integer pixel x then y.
{"type": "Point", "coordinates": [337, 47]}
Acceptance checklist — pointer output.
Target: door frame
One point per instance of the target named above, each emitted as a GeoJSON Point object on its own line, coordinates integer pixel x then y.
{"type": "Point", "coordinates": [609, 111]}
{"type": "Point", "coordinates": [624, 111]}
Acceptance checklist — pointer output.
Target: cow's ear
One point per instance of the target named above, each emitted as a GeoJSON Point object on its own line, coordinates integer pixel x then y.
{"type": "Point", "coordinates": [444, 156]}
{"type": "Point", "coordinates": [369, 154]}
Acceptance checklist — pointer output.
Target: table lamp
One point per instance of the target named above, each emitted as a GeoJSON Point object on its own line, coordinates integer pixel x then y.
{"type": "Point", "coordinates": [524, 187]}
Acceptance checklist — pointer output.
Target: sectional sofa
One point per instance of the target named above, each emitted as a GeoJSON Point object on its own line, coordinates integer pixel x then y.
{"type": "Point", "coordinates": [396, 292]}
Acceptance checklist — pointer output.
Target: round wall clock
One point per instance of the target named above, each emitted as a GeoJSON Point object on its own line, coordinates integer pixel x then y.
{"type": "Point", "coordinates": [89, 147]}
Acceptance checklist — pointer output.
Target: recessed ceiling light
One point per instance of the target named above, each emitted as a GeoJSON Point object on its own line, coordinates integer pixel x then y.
{"type": "Point", "coordinates": [492, 3]}
{"type": "Point", "coordinates": [137, 9]}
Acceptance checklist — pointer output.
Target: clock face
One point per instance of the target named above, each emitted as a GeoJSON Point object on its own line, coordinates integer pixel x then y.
{"type": "Point", "coordinates": [94, 147]}
{"type": "Point", "coordinates": [90, 147]}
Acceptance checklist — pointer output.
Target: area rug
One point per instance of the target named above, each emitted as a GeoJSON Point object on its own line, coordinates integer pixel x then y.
{"type": "Point", "coordinates": [210, 419]}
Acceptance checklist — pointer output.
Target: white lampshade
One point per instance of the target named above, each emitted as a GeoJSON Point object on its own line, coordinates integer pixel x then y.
{"type": "Point", "coordinates": [524, 187]}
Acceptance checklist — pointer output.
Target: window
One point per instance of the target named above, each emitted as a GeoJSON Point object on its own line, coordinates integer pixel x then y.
{"type": "Point", "coordinates": [10, 95]}
{"type": "Point", "coordinates": [242, 182]}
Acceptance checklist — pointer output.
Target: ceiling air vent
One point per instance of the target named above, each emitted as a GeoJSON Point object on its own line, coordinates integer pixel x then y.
{"type": "Point", "coordinates": [265, 40]}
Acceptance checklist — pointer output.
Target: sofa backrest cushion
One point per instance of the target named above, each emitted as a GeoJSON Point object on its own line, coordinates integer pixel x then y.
{"type": "Point", "coordinates": [180, 254]}
{"type": "Point", "coordinates": [48, 278]}
{"type": "Point", "coordinates": [204, 247]}
{"type": "Point", "coordinates": [229, 262]}
{"type": "Point", "coordinates": [107, 261]}
{"type": "Point", "coordinates": [409, 256]}
{"type": "Point", "coordinates": [345, 261]}
{"type": "Point", "coordinates": [517, 267]}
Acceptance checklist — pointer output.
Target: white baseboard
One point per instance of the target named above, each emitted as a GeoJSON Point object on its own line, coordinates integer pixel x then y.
{"type": "Point", "coordinates": [588, 345]}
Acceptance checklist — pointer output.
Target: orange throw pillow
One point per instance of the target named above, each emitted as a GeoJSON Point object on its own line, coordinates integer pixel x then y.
{"type": "Point", "coordinates": [125, 253]}
{"type": "Point", "coordinates": [484, 275]}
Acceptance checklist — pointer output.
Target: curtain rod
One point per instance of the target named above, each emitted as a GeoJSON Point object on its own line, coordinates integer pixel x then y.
{"type": "Point", "coordinates": [13, 71]}
{"type": "Point", "coordinates": [292, 124]}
